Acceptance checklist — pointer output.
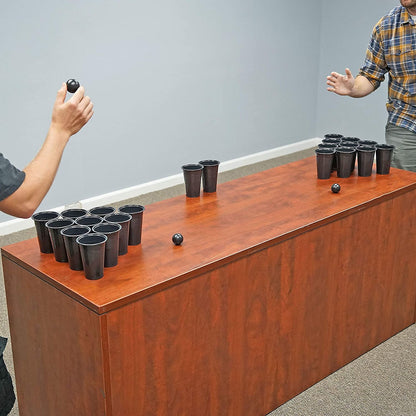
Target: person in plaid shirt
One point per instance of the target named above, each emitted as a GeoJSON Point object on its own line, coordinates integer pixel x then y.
{"type": "Point", "coordinates": [392, 50]}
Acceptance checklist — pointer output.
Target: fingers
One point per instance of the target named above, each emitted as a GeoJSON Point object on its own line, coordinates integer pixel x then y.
{"type": "Point", "coordinates": [88, 112]}
{"type": "Point", "coordinates": [78, 95]}
{"type": "Point", "coordinates": [61, 94]}
{"type": "Point", "coordinates": [84, 103]}
{"type": "Point", "coordinates": [348, 73]}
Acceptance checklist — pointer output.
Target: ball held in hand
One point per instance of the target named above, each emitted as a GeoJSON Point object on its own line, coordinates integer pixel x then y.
{"type": "Point", "coordinates": [72, 85]}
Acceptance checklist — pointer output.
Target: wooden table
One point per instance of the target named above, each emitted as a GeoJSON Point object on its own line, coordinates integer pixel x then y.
{"type": "Point", "coordinates": [278, 283]}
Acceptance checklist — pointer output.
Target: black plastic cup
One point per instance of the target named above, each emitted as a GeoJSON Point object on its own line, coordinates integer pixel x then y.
{"type": "Point", "coordinates": [209, 174]}
{"type": "Point", "coordinates": [89, 220]}
{"type": "Point", "coordinates": [54, 228]}
{"type": "Point", "coordinates": [70, 235]}
{"type": "Point", "coordinates": [112, 232]}
{"type": "Point", "coordinates": [368, 143]}
{"type": "Point", "coordinates": [365, 156]}
{"type": "Point", "coordinates": [324, 161]}
{"type": "Point", "coordinates": [192, 174]}
{"type": "Point", "coordinates": [345, 160]}
{"type": "Point", "coordinates": [136, 224]}
{"type": "Point", "coordinates": [102, 211]}
{"type": "Point", "coordinates": [330, 146]}
{"type": "Point", "coordinates": [40, 219]}
{"type": "Point", "coordinates": [384, 154]}
{"type": "Point", "coordinates": [74, 213]}
{"type": "Point", "coordinates": [124, 220]}
{"type": "Point", "coordinates": [92, 249]}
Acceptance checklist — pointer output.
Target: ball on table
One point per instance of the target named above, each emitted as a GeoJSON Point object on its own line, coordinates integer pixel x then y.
{"type": "Point", "coordinates": [335, 188]}
{"type": "Point", "coordinates": [72, 85]}
{"type": "Point", "coordinates": [177, 239]}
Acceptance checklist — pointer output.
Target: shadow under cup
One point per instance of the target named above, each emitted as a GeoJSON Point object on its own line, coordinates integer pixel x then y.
{"type": "Point", "coordinates": [40, 219]}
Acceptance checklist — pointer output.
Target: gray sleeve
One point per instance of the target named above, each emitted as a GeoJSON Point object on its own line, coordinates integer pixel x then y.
{"type": "Point", "coordinates": [10, 178]}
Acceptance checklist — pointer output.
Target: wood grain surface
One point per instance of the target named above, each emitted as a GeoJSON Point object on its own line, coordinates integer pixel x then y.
{"type": "Point", "coordinates": [243, 216]}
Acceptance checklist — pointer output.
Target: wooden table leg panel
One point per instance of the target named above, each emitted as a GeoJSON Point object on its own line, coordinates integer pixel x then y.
{"type": "Point", "coordinates": [56, 349]}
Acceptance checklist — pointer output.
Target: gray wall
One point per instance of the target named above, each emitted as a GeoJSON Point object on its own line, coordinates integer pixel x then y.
{"type": "Point", "coordinates": [172, 82]}
{"type": "Point", "coordinates": [176, 81]}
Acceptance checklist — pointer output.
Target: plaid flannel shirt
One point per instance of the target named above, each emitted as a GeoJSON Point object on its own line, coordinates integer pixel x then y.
{"type": "Point", "coordinates": [392, 49]}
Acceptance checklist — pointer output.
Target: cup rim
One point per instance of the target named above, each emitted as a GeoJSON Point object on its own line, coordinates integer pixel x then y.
{"type": "Point", "coordinates": [101, 237]}
{"type": "Point", "coordinates": [87, 229]}
{"type": "Point", "coordinates": [127, 219]}
{"type": "Point", "coordinates": [209, 162]}
{"type": "Point", "coordinates": [350, 139]}
{"type": "Point", "coordinates": [49, 223]}
{"type": "Point", "coordinates": [192, 167]}
{"type": "Point", "coordinates": [345, 149]}
{"type": "Point", "coordinates": [44, 213]}
{"type": "Point", "coordinates": [108, 224]}
{"type": "Point", "coordinates": [333, 136]}
{"type": "Point", "coordinates": [134, 209]}
{"type": "Point", "coordinates": [102, 207]}
{"type": "Point", "coordinates": [364, 148]}
{"type": "Point", "coordinates": [89, 216]}
{"type": "Point", "coordinates": [385, 146]}
{"type": "Point", "coordinates": [366, 142]}
{"type": "Point", "coordinates": [324, 150]}
{"type": "Point", "coordinates": [65, 211]}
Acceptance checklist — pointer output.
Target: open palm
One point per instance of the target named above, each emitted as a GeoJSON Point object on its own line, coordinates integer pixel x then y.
{"type": "Point", "coordinates": [340, 84]}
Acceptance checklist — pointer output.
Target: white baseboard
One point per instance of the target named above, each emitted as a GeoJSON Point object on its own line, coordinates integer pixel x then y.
{"type": "Point", "coordinates": [12, 226]}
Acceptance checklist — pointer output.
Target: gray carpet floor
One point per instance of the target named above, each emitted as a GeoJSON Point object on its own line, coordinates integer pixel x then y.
{"type": "Point", "coordinates": [382, 382]}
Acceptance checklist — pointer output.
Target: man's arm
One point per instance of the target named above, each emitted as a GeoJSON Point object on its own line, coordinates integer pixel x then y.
{"type": "Point", "coordinates": [346, 84]}
{"type": "Point", "coordinates": [67, 119]}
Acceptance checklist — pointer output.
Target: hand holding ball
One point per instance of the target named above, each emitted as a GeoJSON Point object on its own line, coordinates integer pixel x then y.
{"type": "Point", "coordinates": [72, 85]}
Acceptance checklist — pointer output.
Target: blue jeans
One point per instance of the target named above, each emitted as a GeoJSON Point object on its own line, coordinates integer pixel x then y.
{"type": "Point", "coordinates": [404, 141]}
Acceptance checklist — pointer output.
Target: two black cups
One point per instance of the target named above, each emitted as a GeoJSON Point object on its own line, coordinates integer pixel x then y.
{"type": "Point", "coordinates": [207, 170]}
{"type": "Point", "coordinates": [340, 153]}
{"type": "Point", "coordinates": [91, 240]}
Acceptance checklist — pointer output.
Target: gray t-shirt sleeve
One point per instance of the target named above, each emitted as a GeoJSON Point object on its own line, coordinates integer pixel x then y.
{"type": "Point", "coordinates": [10, 178]}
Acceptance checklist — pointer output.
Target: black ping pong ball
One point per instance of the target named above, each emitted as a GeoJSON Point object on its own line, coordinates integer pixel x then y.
{"type": "Point", "coordinates": [177, 239]}
{"type": "Point", "coordinates": [72, 85]}
{"type": "Point", "coordinates": [335, 188]}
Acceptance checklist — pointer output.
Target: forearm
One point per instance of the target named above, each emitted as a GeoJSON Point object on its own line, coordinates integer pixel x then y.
{"type": "Point", "coordinates": [362, 87]}
{"type": "Point", "coordinates": [40, 173]}
{"type": "Point", "coordinates": [67, 119]}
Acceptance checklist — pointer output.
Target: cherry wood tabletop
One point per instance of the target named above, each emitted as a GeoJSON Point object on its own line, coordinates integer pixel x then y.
{"type": "Point", "coordinates": [244, 215]}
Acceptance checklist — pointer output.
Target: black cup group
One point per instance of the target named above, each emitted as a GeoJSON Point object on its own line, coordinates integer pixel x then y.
{"type": "Point", "coordinates": [340, 153]}
{"type": "Point", "coordinates": [207, 170]}
{"type": "Point", "coordinates": [89, 240]}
